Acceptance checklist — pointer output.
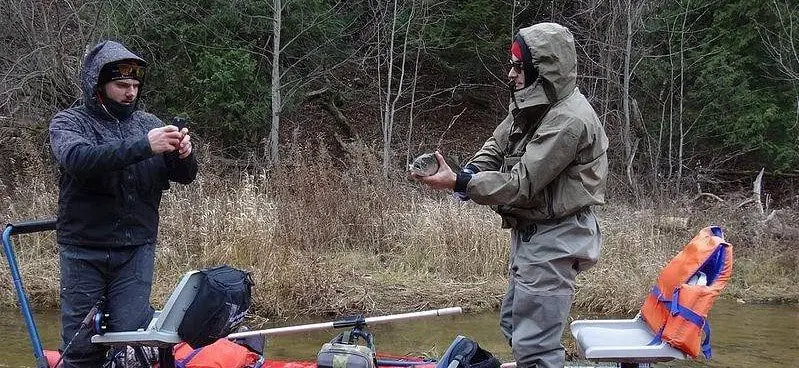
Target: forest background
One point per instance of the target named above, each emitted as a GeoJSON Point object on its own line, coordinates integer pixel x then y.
{"type": "Point", "coordinates": [305, 114]}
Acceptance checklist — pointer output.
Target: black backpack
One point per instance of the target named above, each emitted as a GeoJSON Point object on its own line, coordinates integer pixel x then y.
{"type": "Point", "coordinates": [466, 353]}
{"type": "Point", "coordinates": [223, 299]}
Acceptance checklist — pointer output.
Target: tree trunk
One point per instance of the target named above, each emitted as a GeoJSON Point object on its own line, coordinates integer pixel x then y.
{"type": "Point", "coordinates": [626, 134]}
{"type": "Point", "coordinates": [276, 101]}
{"type": "Point", "coordinates": [388, 113]}
{"type": "Point", "coordinates": [681, 146]}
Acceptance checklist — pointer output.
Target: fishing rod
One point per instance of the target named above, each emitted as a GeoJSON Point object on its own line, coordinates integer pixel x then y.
{"type": "Point", "coordinates": [347, 322]}
{"type": "Point", "coordinates": [87, 321]}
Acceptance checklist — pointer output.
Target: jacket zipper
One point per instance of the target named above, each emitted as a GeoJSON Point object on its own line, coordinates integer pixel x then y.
{"type": "Point", "coordinates": [550, 202]}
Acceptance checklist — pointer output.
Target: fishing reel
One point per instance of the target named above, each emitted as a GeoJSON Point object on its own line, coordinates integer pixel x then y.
{"type": "Point", "coordinates": [94, 322]}
{"type": "Point", "coordinates": [96, 319]}
{"type": "Point", "coordinates": [99, 323]}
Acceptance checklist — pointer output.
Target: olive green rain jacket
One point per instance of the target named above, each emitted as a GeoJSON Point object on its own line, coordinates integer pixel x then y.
{"type": "Point", "coordinates": [539, 167]}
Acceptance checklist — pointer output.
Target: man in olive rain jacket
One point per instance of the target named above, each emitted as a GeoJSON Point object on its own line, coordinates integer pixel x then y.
{"type": "Point", "coordinates": [542, 169]}
{"type": "Point", "coordinates": [115, 161]}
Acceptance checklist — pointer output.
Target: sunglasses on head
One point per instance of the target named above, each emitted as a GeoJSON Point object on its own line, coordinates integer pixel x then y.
{"type": "Point", "coordinates": [131, 71]}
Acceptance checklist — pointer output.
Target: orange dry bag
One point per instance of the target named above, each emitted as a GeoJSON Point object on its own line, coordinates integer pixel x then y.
{"type": "Point", "coordinates": [678, 305]}
{"type": "Point", "coordinates": [223, 353]}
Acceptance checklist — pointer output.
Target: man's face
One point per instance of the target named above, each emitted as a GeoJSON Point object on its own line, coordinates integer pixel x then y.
{"type": "Point", "coordinates": [122, 91]}
{"type": "Point", "coordinates": [516, 73]}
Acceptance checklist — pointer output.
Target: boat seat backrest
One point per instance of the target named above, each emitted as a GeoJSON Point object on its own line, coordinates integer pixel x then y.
{"type": "Point", "coordinates": [162, 331]}
{"type": "Point", "coordinates": [172, 314]}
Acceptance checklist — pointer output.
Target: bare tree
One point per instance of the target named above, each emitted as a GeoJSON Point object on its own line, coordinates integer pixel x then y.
{"type": "Point", "coordinates": [43, 45]}
{"type": "Point", "coordinates": [781, 41]}
{"type": "Point", "coordinates": [394, 88]}
{"type": "Point", "coordinates": [668, 146]}
{"type": "Point", "coordinates": [633, 14]}
{"type": "Point", "coordinates": [277, 105]}
{"type": "Point", "coordinates": [681, 110]}
{"type": "Point", "coordinates": [283, 86]}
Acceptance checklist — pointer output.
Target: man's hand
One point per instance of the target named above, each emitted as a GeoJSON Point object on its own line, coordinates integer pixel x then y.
{"type": "Point", "coordinates": [444, 178]}
{"type": "Point", "coordinates": [185, 148]}
{"type": "Point", "coordinates": [164, 139]}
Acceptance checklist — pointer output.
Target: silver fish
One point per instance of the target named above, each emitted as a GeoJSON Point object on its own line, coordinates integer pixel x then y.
{"type": "Point", "coordinates": [424, 165]}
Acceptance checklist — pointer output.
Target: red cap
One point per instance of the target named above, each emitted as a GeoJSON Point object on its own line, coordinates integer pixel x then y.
{"type": "Point", "coordinates": [516, 50]}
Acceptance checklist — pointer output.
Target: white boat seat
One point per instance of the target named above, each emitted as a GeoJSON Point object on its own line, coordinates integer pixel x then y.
{"type": "Point", "coordinates": [621, 341]}
{"type": "Point", "coordinates": [162, 331]}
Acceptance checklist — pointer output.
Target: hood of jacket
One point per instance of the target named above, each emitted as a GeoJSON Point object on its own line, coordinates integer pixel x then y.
{"type": "Point", "coordinates": [552, 49]}
{"type": "Point", "coordinates": [103, 53]}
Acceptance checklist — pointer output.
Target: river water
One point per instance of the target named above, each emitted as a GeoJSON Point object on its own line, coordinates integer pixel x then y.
{"type": "Point", "coordinates": [744, 335]}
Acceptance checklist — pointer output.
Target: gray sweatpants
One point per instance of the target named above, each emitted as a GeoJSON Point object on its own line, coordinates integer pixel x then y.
{"type": "Point", "coordinates": [545, 259]}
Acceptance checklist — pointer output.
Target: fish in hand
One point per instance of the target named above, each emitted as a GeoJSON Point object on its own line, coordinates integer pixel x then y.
{"type": "Point", "coordinates": [424, 165]}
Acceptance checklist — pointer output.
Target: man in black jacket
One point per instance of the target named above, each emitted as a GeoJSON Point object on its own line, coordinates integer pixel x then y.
{"type": "Point", "coordinates": [115, 161]}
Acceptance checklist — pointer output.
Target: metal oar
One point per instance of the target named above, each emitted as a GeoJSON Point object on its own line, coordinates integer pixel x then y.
{"type": "Point", "coordinates": [22, 298]}
{"type": "Point", "coordinates": [347, 323]}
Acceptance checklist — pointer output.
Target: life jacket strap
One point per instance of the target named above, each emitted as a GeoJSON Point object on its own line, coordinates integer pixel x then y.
{"type": "Point", "coordinates": [676, 309]}
{"type": "Point", "coordinates": [183, 363]}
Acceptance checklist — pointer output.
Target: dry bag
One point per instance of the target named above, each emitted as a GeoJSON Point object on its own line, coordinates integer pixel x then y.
{"type": "Point", "coordinates": [223, 299]}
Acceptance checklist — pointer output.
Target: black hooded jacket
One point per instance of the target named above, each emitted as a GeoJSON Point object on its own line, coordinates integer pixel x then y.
{"type": "Point", "coordinates": [110, 182]}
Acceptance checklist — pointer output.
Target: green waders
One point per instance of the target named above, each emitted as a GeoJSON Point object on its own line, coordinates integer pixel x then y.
{"type": "Point", "coordinates": [545, 259]}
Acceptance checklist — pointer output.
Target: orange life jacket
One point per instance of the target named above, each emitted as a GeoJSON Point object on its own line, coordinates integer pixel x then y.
{"type": "Point", "coordinates": [223, 353]}
{"type": "Point", "coordinates": [678, 305]}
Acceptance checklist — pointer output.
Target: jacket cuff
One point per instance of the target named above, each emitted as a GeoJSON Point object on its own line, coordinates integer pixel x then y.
{"type": "Point", "coordinates": [471, 169]}
{"type": "Point", "coordinates": [463, 177]}
{"type": "Point", "coordinates": [143, 146]}
{"type": "Point", "coordinates": [462, 180]}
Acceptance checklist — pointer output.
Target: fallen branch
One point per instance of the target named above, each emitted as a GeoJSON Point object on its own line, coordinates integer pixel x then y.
{"type": "Point", "coordinates": [750, 200]}
{"type": "Point", "coordinates": [344, 146]}
{"type": "Point", "coordinates": [790, 174]}
{"type": "Point", "coordinates": [756, 191]}
{"type": "Point", "coordinates": [710, 195]}
{"type": "Point", "coordinates": [316, 93]}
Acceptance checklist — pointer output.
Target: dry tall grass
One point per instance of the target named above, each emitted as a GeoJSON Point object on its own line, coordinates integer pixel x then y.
{"type": "Point", "coordinates": [328, 234]}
